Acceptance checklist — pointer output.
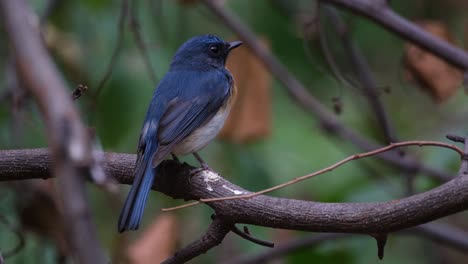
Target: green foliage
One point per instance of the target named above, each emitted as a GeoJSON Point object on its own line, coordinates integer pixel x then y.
{"type": "Point", "coordinates": [296, 146]}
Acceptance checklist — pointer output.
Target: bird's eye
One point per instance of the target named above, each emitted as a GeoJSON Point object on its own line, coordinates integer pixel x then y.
{"type": "Point", "coordinates": [215, 50]}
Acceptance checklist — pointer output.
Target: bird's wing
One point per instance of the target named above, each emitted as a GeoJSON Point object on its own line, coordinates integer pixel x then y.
{"type": "Point", "coordinates": [185, 113]}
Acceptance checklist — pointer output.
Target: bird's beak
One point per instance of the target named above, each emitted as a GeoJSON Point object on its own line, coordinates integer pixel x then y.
{"type": "Point", "coordinates": [234, 44]}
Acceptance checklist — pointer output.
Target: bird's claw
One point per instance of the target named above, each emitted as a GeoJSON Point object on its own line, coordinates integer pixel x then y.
{"type": "Point", "coordinates": [195, 171]}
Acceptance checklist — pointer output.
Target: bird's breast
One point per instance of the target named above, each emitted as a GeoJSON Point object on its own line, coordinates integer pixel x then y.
{"type": "Point", "coordinates": [201, 136]}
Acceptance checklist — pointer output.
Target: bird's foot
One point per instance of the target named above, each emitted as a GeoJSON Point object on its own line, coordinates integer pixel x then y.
{"type": "Point", "coordinates": [204, 167]}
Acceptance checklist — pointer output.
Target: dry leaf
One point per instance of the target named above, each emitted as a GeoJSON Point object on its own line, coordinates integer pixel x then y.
{"type": "Point", "coordinates": [436, 76]}
{"type": "Point", "coordinates": [157, 243]}
{"type": "Point", "coordinates": [250, 116]}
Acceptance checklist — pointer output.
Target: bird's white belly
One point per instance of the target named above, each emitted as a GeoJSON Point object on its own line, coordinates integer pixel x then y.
{"type": "Point", "coordinates": [200, 137]}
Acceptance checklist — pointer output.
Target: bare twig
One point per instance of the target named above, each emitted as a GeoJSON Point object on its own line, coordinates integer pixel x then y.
{"type": "Point", "coordinates": [116, 52]}
{"type": "Point", "coordinates": [363, 72]}
{"type": "Point", "coordinates": [182, 206]}
{"type": "Point", "coordinates": [329, 58]}
{"type": "Point", "coordinates": [249, 237]}
{"type": "Point", "coordinates": [67, 136]}
{"type": "Point", "coordinates": [298, 92]}
{"type": "Point", "coordinates": [455, 138]}
{"type": "Point", "coordinates": [135, 28]}
{"type": "Point", "coordinates": [173, 180]}
{"type": "Point", "coordinates": [327, 169]}
{"type": "Point", "coordinates": [379, 12]}
{"type": "Point", "coordinates": [368, 82]}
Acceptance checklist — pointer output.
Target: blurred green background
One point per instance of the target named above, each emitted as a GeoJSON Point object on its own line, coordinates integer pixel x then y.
{"type": "Point", "coordinates": [87, 32]}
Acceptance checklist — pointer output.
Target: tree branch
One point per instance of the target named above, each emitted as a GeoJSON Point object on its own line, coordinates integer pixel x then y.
{"type": "Point", "coordinates": [309, 103]}
{"type": "Point", "coordinates": [379, 12]}
{"type": "Point", "coordinates": [213, 237]}
{"type": "Point", "coordinates": [367, 80]}
{"type": "Point", "coordinates": [442, 234]}
{"type": "Point", "coordinates": [68, 138]}
{"type": "Point", "coordinates": [173, 180]}
{"type": "Point", "coordinates": [364, 74]}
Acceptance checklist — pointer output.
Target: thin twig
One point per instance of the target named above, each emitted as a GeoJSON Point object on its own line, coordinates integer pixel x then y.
{"type": "Point", "coordinates": [380, 12]}
{"type": "Point", "coordinates": [329, 58]}
{"type": "Point", "coordinates": [299, 93]}
{"type": "Point", "coordinates": [116, 52]}
{"type": "Point", "coordinates": [181, 206]}
{"type": "Point", "coordinates": [135, 28]}
{"type": "Point", "coordinates": [368, 82]}
{"type": "Point", "coordinates": [363, 72]}
{"type": "Point", "coordinates": [250, 238]}
{"type": "Point", "coordinates": [324, 170]}
{"type": "Point", "coordinates": [455, 138]}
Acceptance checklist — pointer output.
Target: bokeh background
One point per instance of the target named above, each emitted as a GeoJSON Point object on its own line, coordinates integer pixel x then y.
{"type": "Point", "coordinates": [270, 141]}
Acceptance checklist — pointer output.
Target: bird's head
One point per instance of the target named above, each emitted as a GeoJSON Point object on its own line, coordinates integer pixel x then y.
{"type": "Point", "coordinates": [203, 52]}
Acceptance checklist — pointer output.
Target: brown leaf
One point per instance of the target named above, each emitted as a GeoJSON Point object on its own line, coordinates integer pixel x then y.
{"type": "Point", "coordinates": [157, 243]}
{"type": "Point", "coordinates": [250, 116]}
{"type": "Point", "coordinates": [436, 76]}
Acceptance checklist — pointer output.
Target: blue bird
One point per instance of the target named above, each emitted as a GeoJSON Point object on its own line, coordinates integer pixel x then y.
{"type": "Point", "coordinates": [187, 111]}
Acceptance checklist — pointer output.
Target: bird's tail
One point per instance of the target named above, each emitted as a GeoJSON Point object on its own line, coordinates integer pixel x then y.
{"type": "Point", "coordinates": [132, 211]}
